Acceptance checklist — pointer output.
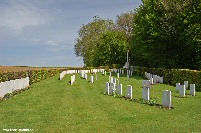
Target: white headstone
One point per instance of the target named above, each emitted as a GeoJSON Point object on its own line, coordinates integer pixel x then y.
{"type": "Point", "coordinates": [186, 84]}
{"type": "Point", "coordinates": [114, 81]}
{"type": "Point", "coordinates": [105, 73]}
{"type": "Point", "coordinates": [111, 80]}
{"type": "Point", "coordinates": [72, 80]}
{"type": "Point", "coordinates": [110, 73]}
{"type": "Point", "coordinates": [192, 89]}
{"type": "Point", "coordinates": [145, 93]}
{"type": "Point", "coordinates": [146, 83]}
{"type": "Point", "coordinates": [158, 79]}
{"type": "Point", "coordinates": [154, 78]}
{"type": "Point", "coordinates": [122, 71]}
{"type": "Point", "coordinates": [177, 86]}
{"type": "Point", "coordinates": [119, 88]}
{"type": "Point", "coordinates": [92, 79]}
{"type": "Point", "coordinates": [167, 100]}
{"type": "Point", "coordinates": [161, 80]}
{"type": "Point", "coordinates": [82, 74]}
{"type": "Point", "coordinates": [96, 76]}
{"type": "Point", "coordinates": [145, 74]}
{"type": "Point", "coordinates": [150, 75]}
{"type": "Point", "coordinates": [152, 81]}
{"type": "Point", "coordinates": [182, 90]}
{"type": "Point", "coordinates": [128, 77]}
{"type": "Point", "coordinates": [129, 92]}
{"type": "Point", "coordinates": [107, 88]}
{"type": "Point", "coordinates": [112, 88]}
{"type": "Point", "coordinates": [85, 76]}
{"type": "Point", "coordinates": [117, 75]}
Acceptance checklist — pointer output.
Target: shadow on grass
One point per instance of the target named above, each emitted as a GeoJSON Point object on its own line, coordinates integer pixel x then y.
{"type": "Point", "coordinates": [151, 102]}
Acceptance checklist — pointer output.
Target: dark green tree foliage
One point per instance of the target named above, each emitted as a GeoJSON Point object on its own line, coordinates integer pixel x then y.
{"type": "Point", "coordinates": [88, 38]}
{"type": "Point", "coordinates": [167, 34]}
{"type": "Point", "coordinates": [112, 48]}
{"type": "Point", "coordinates": [190, 26]}
{"type": "Point", "coordinates": [101, 42]}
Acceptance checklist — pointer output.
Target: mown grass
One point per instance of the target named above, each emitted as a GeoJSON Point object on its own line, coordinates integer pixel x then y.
{"type": "Point", "coordinates": [55, 106]}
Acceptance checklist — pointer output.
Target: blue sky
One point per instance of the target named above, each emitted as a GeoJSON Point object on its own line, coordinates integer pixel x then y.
{"type": "Point", "coordinates": [43, 32]}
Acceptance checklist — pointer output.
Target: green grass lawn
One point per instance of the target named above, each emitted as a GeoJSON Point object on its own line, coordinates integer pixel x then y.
{"type": "Point", "coordinates": [55, 106]}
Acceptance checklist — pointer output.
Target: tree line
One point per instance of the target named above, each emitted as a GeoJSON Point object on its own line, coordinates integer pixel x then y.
{"type": "Point", "coordinates": [159, 33]}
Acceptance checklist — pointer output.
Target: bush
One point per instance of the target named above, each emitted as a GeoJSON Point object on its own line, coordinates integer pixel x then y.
{"type": "Point", "coordinates": [34, 75]}
{"type": "Point", "coordinates": [117, 66]}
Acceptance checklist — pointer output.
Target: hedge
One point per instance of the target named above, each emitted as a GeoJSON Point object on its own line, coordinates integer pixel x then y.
{"type": "Point", "coordinates": [173, 76]}
{"type": "Point", "coordinates": [34, 75]}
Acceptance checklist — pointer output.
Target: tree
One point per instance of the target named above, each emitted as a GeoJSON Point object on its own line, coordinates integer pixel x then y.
{"type": "Point", "coordinates": [167, 34]}
{"type": "Point", "coordinates": [190, 26]}
{"type": "Point", "coordinates": [88, 38]}
{"type": "Point", "coordinates": [124, 23]}
{"type": "Point", "coordinates": [112, 48]}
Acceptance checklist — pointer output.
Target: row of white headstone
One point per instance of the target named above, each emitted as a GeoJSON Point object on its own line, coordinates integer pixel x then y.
{"type": "Point", "coordinates": [112, 89]}
{"type": "Point", "coordinates": [166, 97]}
{"type": "Point", "coordinates": [62, 74]}
{"type": "Point", "coordinates": [85, 76]}
{"type": "Point", "coordinates": [121, 71]}
{"type": "Point", "coordinates": [182, 88]}
{"type": "Point", "coordinates": [12, 85]}
{"type": "Point", "coordinates": [154, 78]}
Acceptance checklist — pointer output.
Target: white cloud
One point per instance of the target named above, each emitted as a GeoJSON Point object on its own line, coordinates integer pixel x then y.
{"type": "Point", "coordinates": [45, 30]}
{"type": "Point", "coordinates": [57, 45]}
{"type": "Point", "coordinates": [52, 43]}
{"type": "Point", "coordinates": [18, 15]}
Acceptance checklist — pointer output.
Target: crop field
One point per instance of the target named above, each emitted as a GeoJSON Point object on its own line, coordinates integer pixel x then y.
{"type": "Point", "coordinates": [55, 106]}
{"type": "Point", "coordinates": [25, 68]}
